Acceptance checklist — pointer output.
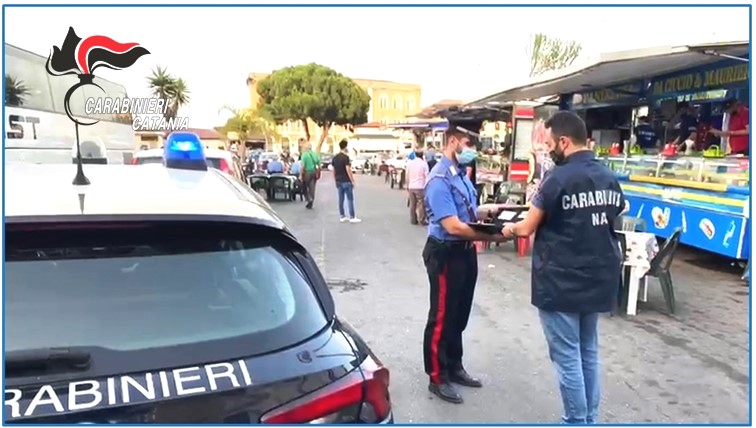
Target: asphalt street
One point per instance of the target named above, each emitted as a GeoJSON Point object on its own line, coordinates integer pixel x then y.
{"type": "Point", "coordinates": [692, 367]}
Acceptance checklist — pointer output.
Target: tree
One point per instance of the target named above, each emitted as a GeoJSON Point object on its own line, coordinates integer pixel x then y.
{"type": "Point", "coordinates": [314, 92]}
{"type": "Point", "coordinates": [548, 53]}
{"type": "Point", "coordinates": [172, 90]}
{"type": "Point", "coordinates": [249, 123]}
{"type": "Point", "coordinates": [15, 91]}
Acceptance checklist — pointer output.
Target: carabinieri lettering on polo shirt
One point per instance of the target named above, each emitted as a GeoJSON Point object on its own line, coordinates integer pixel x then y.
{"type": "Point", "coordinates": [596, 198]}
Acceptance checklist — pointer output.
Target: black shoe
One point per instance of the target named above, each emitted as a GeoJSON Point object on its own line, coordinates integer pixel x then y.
{"type": "Point", "coordinates": [446, 392]}
{"type": "Point", "coordinates": [461, 377]}
{"type": "Point", "coordinates": [309, 205]}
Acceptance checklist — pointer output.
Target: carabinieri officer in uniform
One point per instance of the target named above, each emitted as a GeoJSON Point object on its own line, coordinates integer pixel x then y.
{"type": "Point", "coordinates": [452, 265]}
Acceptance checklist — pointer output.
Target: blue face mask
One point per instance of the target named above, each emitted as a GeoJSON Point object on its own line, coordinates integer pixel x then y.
{"type": "Point", "coordinates": [467, 156]}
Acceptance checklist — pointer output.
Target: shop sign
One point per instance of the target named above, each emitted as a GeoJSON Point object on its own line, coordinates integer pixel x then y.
{"type": "Point", "coordinates": [614, 94]}
{"type": "Point", "coordinates": [702, 80]}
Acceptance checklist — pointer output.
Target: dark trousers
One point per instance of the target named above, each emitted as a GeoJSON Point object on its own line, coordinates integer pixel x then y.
{"type": "Point", "coordinates": [309, 182]}
{"type": "Point", "coordinates": [452, 272]}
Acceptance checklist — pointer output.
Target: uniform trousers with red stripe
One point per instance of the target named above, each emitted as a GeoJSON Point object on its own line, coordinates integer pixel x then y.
{"type": "Point", "coordinates": [452, 268]}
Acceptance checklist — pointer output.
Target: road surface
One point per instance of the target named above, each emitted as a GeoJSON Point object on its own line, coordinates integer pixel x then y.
{"type": "Point", "coordinates": [692, 367]}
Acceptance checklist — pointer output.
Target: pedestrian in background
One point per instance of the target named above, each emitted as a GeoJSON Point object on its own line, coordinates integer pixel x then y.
{"type": "Point", "coordinates": [451, 262]}
{"type": "Point", "coordinates": [310, 173]}
{"type": "Point", "coordinates": [430, 156]}
{"type": "Point", "coordinates": [345, 182]}
{"type": "Point", "coordinates": [417, 175]}
{"type": "Point", "coordinates": [576, 260]}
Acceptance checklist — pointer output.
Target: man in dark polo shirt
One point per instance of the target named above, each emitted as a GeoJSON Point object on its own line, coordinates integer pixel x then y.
{"type": "Point", "coordinates": [737, 127]}
{"type": "Point", "coordinates": [646, 135]}
{"type": "Point", "coordinates": [686, 122]}
{"type": "Point", "coordinates": [576, 260]}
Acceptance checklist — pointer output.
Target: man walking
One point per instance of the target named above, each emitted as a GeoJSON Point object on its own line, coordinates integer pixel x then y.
{"type": "Point", "coordinates": [417, 174]}
{"type": "Point", "coordinates": [576, 260]}
{"type": "Point", "coordinates": [342, 175]}
{"type": "Point", "coordinates": [310, 173]}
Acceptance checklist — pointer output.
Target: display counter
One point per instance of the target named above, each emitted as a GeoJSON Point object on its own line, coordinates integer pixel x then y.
{"type": "Point", "coordinates": [490, 168]}
{"type": "Point", "coordinates": [707, 198]}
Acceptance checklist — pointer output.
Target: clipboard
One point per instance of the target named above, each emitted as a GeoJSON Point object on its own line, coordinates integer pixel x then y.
{"type": "Point", "coordinates": [489, 228]}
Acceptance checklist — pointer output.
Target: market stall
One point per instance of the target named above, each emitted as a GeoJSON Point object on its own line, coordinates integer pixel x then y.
{"type": "Point", "coordinates": [707, 197]}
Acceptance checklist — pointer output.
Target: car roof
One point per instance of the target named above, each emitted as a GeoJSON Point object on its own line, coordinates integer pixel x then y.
{"type": "Point", "coordinates": [158, 153]}
{"type": "Point", "coordinates": [36, 192]}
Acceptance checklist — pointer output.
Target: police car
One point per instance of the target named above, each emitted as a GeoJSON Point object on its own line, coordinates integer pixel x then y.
{"type": "Point", "coordinates": [170, 294]}
{"type": "Point", "coordinates": [223, 160]}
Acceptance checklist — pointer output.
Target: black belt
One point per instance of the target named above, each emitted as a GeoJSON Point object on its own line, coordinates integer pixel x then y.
{"type": "Point", "coordinates": [457, 245]}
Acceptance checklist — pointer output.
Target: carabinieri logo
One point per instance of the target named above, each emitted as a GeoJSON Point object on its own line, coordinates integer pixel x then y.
{"type": "Point", "coordinates": [83, 56]}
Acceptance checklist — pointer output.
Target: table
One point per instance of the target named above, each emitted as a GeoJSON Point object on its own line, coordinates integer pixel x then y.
{"type": "Point", "coordinates": [640, 249]}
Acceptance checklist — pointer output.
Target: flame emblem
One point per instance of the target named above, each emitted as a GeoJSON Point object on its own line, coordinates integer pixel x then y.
{"type": "Point", "coordinates": [83, 56]}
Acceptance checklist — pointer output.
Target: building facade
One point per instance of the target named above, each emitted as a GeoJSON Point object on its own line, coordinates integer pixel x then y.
{"type": "Point", "coordinates": [390, 102]}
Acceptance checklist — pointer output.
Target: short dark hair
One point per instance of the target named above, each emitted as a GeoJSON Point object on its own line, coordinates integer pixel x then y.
{"type": "Point", "coordinates": [454, 132]}
{"type": "Point", "coordinates": [683, 104]}
{"type": "Point", "coordinates": [343, 144]}
{"type": "Point", "coordinates": [568, 124]}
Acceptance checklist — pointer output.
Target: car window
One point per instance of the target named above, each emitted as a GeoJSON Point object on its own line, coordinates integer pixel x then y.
{"type": "Point", "coordinates": [156, 288]}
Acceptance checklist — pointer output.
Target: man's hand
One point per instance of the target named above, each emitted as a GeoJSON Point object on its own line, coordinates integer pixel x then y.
{"type": "Point", "coordinates": [719, 133]}
{"type": "Point", "coordinates": [508, 231]}
{"type": "Point", "coordinates": [498, 238]}
{"type": "Point", "coordinates": [487, 211]}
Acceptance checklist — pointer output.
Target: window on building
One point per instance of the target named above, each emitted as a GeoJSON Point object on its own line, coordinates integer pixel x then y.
{"type": "Point", "coordinates": [384, 101]}
{"type": "Point", "coordinates": [411, 104]}
{"type": "Point", "coordinates": [398, 103]}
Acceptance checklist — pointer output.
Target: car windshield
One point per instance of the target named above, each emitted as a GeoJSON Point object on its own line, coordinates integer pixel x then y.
{"type": "Point", "coordinates": [157, 288]}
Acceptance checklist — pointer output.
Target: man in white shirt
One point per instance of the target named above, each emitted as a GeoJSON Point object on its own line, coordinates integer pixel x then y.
{"type": "Point", "coordinates": [417, 174]}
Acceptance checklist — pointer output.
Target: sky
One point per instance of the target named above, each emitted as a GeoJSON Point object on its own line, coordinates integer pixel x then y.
{"type": "Point", "coordinates": [453, 53]}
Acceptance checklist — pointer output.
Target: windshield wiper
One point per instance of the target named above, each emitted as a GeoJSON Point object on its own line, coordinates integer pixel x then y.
{"type": "Point", "coordinates": [43, 358]}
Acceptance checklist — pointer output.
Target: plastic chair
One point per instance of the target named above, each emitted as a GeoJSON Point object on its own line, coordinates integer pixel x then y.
{"type": "Point", "coordinates": [260, 183]}
{"type": "Point", "coordinates": [281, 184]}
{"type": "Point", "coordinates": [660, 268]}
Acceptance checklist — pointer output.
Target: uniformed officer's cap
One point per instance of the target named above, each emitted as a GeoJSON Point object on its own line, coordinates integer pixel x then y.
{"type": "Point", "coordinates": [467, 129]}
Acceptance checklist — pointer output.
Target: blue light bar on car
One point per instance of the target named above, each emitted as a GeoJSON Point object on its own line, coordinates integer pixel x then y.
{"type": "Point", "coordinates": [184, 150]}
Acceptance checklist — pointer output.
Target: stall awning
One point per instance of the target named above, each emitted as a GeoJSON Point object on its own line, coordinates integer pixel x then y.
{"type": "Point", "coordinates": [617, 68]}
{"type": "Point", "coordinates": [439, 125]}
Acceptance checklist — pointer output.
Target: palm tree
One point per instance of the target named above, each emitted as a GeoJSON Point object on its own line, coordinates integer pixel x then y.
{"type": "Point", "coordinates": [549, 53]}
{"type": "Point", "coordinates": [15, 91]}
{"type": "Point", "coordinates": [173, 91]}
{"type": "Point", "coordinates": [179, 93]}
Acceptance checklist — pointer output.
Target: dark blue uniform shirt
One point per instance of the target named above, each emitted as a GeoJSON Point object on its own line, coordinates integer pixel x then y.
{"type": "Point", "coordinates": [646, 136]}
{"type": "Point", "coordinates": [576, 256]}
{"type": "Point", "coordinates": [448, 192]}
